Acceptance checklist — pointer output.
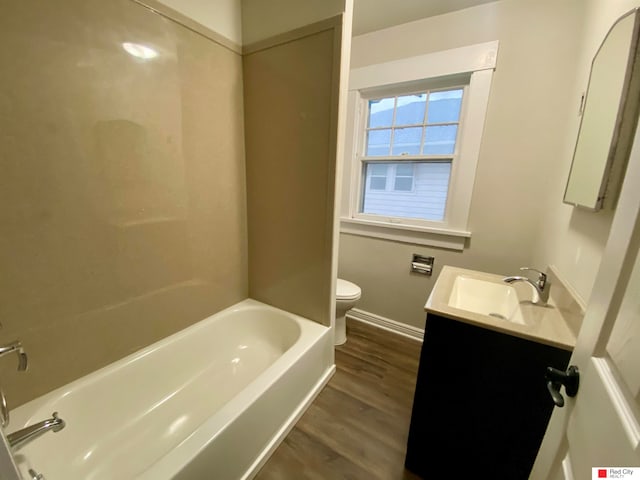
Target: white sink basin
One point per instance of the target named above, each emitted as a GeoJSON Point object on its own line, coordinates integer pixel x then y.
{"type": "Point", "coordinates": [486, 298]}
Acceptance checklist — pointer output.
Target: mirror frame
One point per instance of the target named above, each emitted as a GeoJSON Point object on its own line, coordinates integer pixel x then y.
{"type": "Point", "coordinates": [625, 123]}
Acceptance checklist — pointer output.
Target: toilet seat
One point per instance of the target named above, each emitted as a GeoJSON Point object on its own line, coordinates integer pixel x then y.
{"type": "Point", "coordinates": [346, 290]}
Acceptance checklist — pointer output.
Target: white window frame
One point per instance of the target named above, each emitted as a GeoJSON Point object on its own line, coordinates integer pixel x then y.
{"type": "Point", "coordinates": [475, 63]}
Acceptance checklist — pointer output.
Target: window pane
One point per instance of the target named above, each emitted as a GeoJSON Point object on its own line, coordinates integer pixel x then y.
{"type": "Point", "coordinates": [404, 170]}
{"type": "Point", "coordinates": [376, 176]}
{"type": "Point", "coordinates": [444, 106]}
{"type": "Point", "coordinates": [403, 184]}
{"type": "Point", "coordinates": [410, 109]}
{"type": "Point", "coordinates": [378, 183]}
{"type": "Point", "coordinates": [407, 141]}
{"type": "Point", "coordinates": [426, 199]}
{"type": "Point", "coordinates": [378, 168]}
{"type": "Point", "coordinates": [404, 177]}
{"type": "Point", "coordinates": [440, 140]}
{"type": "Point", "coordinates": [378, 142]}
{"type": "Point", "coordinates": [381, 112]}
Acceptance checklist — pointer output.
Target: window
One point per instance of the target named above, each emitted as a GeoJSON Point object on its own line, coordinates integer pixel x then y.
{"type": "Point", "coordinates": [404, 178]}
{"type": "Point", "coordinates": [389, 177]}
{"type": "Point", "coordinates": [419, 132]}
{"type": "Point", "coordinates": [411, 155]}
{"type": "Point", "coordinates": [377, 178]}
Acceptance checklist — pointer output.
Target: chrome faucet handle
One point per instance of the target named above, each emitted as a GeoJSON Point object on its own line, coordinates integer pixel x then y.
{"type": "Point", "coordinates": [23, 360]}
{"type": "Point", "coordinates": [35, 475]}
{"type": "Point", "coordinates": [4, 410]}
{"type": "Point", "coordinates": [542, 277]}
{"type": "Point", "coordinates": [16, 346]}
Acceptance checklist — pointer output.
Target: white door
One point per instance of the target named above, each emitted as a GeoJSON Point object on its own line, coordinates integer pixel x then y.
{"type": "Point", "coordinates": [600, 426]}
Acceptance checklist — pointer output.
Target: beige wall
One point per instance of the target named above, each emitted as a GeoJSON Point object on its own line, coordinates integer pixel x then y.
{"type": "Point", "coordinates": [291, 117]}
{"type": "Point", "coordinates": [573, 239]}
{"type": "Point", "coordinates": [122, 193]}
{"type": "Point", "coordinates": [532, 99]}
{"type": "Point", "coordinates": [262, 19]}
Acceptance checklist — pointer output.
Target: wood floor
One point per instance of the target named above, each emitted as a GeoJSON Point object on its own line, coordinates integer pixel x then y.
{"type": "Point", "coordinates": [357, 427]}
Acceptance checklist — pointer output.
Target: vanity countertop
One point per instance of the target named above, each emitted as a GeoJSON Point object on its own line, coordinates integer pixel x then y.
{"type": "Point", "coordinates": [544, 325]}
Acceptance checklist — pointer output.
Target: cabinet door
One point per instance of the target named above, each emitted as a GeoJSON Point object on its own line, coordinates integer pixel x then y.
{"type": "Point", "coordinates": [480, 396]}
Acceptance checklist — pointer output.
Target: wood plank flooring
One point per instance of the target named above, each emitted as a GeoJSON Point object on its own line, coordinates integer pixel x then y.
{"type": "Point", "coordinates": [358, 425]}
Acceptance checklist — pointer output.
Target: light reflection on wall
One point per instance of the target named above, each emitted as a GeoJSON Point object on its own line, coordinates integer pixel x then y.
{"type": "Point", "coordinates": [140, 51]}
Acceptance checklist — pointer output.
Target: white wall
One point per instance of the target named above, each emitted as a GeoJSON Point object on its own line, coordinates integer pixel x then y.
{"type": "Point", "coordinates": [523, 153]}
{"type": "Point", "coordinates": [221, 16]}
{"type": "Point", "coordinates": [265, 18]}
{"type": "Point", "coordinates": [570, 238]}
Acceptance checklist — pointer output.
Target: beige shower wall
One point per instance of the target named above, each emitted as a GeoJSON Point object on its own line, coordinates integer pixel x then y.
{"type": "Point", "coordinates": [122, 185]}
{"type": "Point", "coordinates": [291, 99]}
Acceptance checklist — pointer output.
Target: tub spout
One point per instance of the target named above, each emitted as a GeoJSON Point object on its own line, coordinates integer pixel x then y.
{"type": "Point", "coordinates": [22, 437]}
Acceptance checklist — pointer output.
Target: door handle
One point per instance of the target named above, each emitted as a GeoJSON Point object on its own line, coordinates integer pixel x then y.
{"type": "Point", "coordinates": [556, 378]}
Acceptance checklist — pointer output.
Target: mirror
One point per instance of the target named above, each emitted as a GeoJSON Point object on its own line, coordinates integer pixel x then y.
{"type": "Point", "coordinates": [609, 118]}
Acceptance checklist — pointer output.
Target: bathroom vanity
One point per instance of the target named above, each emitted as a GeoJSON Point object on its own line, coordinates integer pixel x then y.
{"type": "Point", "coordinates": [481, 405]}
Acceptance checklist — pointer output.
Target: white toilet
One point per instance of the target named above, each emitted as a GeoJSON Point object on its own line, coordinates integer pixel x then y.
{"type": "Point", "coordinates": [347, 295]}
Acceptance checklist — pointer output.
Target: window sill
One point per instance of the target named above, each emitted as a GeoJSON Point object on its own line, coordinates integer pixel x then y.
{"type": "Point", "coordinates": [433, 237]}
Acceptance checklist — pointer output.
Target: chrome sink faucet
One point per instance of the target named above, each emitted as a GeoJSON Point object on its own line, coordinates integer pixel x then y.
{"type": "Point", "coordinates": [26, 435]}
{"type": "Point", "coordinates": [541, 285]}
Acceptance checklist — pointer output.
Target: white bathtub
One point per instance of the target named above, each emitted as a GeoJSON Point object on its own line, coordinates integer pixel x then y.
{"type": "Point", "coordinates": [209, 402]}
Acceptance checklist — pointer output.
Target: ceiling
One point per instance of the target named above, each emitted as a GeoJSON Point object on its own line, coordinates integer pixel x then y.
{"type": "Point", "coordinates": [370, 15]}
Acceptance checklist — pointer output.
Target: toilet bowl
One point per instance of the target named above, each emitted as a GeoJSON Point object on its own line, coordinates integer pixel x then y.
{"type": "Point", "coordinates": [347, 295]}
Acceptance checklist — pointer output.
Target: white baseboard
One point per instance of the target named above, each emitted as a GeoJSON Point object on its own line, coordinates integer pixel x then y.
{"type": "Point", "coordinates": [403, 329]}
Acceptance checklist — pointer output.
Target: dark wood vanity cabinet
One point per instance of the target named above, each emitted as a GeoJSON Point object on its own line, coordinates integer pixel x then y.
{"type": "Point", "coordinates": [481, 405]}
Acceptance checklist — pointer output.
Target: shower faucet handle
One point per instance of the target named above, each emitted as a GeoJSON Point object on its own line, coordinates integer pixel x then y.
{"type": "Point", "coordinates": [16, 346]}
